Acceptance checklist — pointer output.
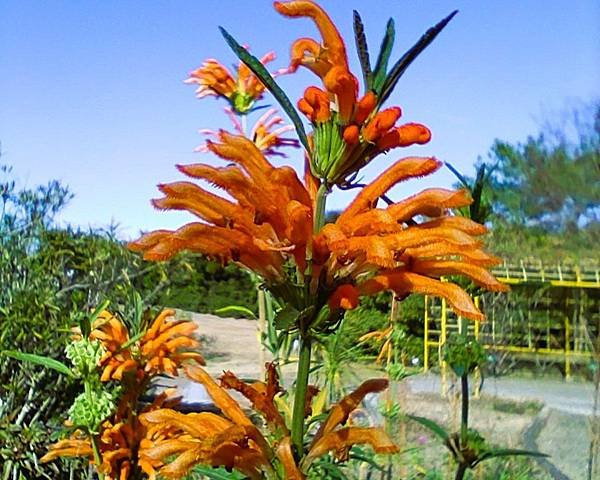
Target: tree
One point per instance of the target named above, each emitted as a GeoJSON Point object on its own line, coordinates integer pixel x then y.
{"type": "Point", "coordinates": [551, 181]}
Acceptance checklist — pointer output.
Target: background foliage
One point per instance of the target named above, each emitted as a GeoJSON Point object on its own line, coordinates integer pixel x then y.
{"type": "Point", "coordinates": [50, 276]}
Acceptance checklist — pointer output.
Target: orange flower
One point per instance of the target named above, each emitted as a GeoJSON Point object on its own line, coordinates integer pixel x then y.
{"type": "Point", "coordinates": [405, 247]}
{"type": "Point", "coordinates": [167, 343]}
{"type": "Point", "coordinates": [112, 334]}
{"type": "Point", "coordinates": [232, 441]}
{"type": "Point", "coordinates": [353, 126]}
{"type": "Point", "coordinates": [162, 349]}
{"type": "Point", "coordinates": [203, 438]}
{"type": "Point", "coordinates": [76, 446]}
{"type": "Point", "coordinates": [215, 79]}
{"type": "Point", "coordinates": [269, 219]}
{"type": "Point", "coordinates": [328, 60]}
{"type": "Point", "coordinates": [118, 442]}
{"type": "Point", "coordinates": [267, 133]}
{"type": "Point", "coordinates": [375, 249]}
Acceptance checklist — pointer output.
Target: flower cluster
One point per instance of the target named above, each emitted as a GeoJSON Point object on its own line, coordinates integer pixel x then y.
{"type": "Point", "coordinates": [214, 79]}
{"type": "Point", "coordinates": [107, 419]}
{"type": "Point", "coordinates": [405, 247]}
{"type": "Point", "coordinates": [176, 442]}
{"type": "Point", "coordinates": [348, 131]}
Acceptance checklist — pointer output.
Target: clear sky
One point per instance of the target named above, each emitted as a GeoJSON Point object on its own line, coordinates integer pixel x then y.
{"type": "Point", "coordinates": [92, 92]}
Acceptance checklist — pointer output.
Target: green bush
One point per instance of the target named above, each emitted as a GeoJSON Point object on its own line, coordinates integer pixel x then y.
{"type": "Point", "coordinates": [50, 277]}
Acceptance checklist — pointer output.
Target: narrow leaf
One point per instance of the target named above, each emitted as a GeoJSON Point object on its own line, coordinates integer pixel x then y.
{"type": "Point", "coordinates": [431, 425]}
{"type": "Point", "coordinates": [381, 66]}
{"type": "Point", "coordinates": [217, 473]}
{"type": "Point", "coordinates": [401, 65]}
{"type": "Point", "coordinates": [510, 452]}
{"type": "Point", "coordinates": [458, 175]}
{"type": "Point", "coordinates": [40, 360]}
{"type": "Point", "coordinates": [235, 309]}
{"type": "Point", "coordinates": [265, 77]}
{"type": "Point", "coordinates": [87, 322]}
{"type": "Point", "coordinates": [363, 51]}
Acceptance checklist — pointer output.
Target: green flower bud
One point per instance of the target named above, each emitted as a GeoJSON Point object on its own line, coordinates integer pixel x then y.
{"type": "Point", "coordinates": [85, 355]}
{"type": "Point", "coordinates": [91, 408]}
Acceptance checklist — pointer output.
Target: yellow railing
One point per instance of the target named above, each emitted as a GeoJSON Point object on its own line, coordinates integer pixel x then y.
{"type": "Point", "coordinates": [545, 330]}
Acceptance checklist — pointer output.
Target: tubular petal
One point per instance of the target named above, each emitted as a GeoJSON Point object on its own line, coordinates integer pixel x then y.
{"type": "Point", "coordinates": [333, 45]}
{"type": "Point", "coordinates": [404, 169]}
{"type": "Point", "coordinates": [403, 283]}
{"type": "Point", "coordinates": [381, 123]}
{"type": "Point", "coordinates": [463, 224]}
{"type": "Point", "coordinates": [364, 107]}
{"type": "Point", "coordinates": [222, 399]}
{"type": "Point", "coordinates": [404, 136]}
{"type": "Point", "coordinates": [430, 202]}
{"type": "Point", "coordinates": [345, 297]}
{"type": "Point", "coordinates": [341, 440]}
{"type": "Point", "coordinates": [479, 275]}
{"type": "Point", "coordinates": [447, 249]}
{"type": "Point", "coordinates": [285, 456]}
{"type": "Point", "coordinates": [339, 412]}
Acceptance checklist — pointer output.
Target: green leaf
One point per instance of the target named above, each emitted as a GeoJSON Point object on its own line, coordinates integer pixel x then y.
{"type": "Point", "coordinates": [363, 51]}
{"type": "Point", "coordinates": [458, 175]}
{"type": "Point", "coordinates": [40, 360]}
{"type": "Point", "coordinates": [381, 66]}
{"type": "Point", "coordinates": [401, 65]}
{"type": "Point", "coordinates": [217, 473]}
{"type": "Point", "coordinates": [509, 452]}
{"type": "Point", "coordinates": [235, 309]}
{"type": "Point", "coordinates": [360, 454]}
{"type": "Point", "coordinates": [87, 322]}
{"type": "Point", "coordinates": [265, 77]}
{"type": "Point", "coordinates": [431, 425]}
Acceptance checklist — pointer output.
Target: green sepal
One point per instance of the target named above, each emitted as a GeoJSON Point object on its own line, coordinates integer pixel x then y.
{"type": "Point", "coordinates": [40, 360]}
{"type": "Point", "coordinates": [380, 71]}
{"type": "Point", "coordinates": [265, 77]}
{"type": "Point", "coordinates": [288, 316]}
{"type": "Point", "coordinates": [363, 51]}
{"type": "Point", "coordinates": [401, 65]}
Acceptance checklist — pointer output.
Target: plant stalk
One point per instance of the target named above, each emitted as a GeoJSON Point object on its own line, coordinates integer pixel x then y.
{"type": "Point", "coordinates": [300, 395]}
{"type": "Point", "coordinates": [464, 419]}
{"type": "Point", "coordinates": [305, 343]}
{"type": "Point", "coordinates": [320, 201]}
{"type": "Point", "coordinates": [460, 472]}
{"type": "Point", "coordinates": [97, 457]}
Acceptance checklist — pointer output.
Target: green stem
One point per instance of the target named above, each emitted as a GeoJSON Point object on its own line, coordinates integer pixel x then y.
{"type": "Point", "coordinates": [300, 395]}
{"type": "Point", "coordinates": [464, 419]}
{"type": "Point", "coordinates": [321, 200]}
{"type": "Point", "coordinates": [305, 343]}
{"type": "Point", "coordinates": [97, 457]}
{"type": "Point", "coordinates": [464, 384]}
{"type": "Point", "coordinates": [460, 472]}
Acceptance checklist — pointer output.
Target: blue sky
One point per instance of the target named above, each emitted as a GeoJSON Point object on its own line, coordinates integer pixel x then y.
{"type": "Point", "coordinates": [92, 93]}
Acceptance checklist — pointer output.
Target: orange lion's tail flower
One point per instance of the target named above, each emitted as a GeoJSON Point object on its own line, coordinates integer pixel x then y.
{"type": "Point", "coordinates": [269, 218]}
{"type": "Point", "coordinates": [407, 246]}
{"type": "Point", "coordinates": [241, 92]}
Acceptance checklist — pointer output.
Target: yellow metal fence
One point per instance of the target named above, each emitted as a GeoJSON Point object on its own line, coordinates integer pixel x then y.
{"type": "Point", "coordinates": [553, 313]}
